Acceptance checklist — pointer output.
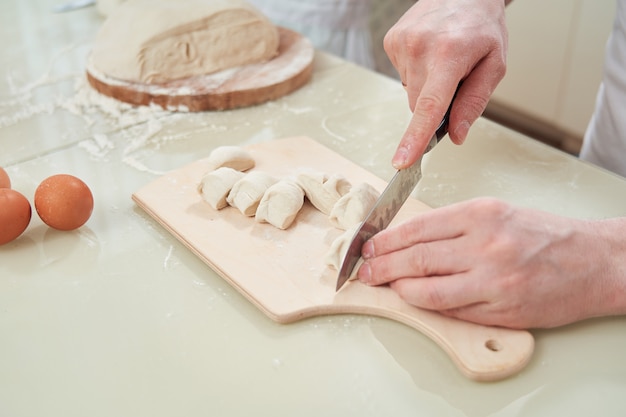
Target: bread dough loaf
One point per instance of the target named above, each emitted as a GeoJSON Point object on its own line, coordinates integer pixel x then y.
{"type": "Point", "coordinates": [351, 209]}
{"type": "Point", "coordinates": [323, 191]}
{"type": "Point", "coordinates": [156, 41]}
{"type": "Point", "coordinates": [280, 204]}
{"type": "Point", "coordinates": [247, 193]}
{"type": "Point", "coordinates": [215, 186]}
{"type": "Point", "coordinates": [234, 157]}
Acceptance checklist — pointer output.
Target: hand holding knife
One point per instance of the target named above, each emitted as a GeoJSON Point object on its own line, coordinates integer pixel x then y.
{"type": "Point", "coordinates": [388, 204]}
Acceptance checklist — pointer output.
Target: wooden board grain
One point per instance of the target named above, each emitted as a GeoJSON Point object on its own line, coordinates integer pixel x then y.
{"type": "Point", "coordinates": [239, 87]}
{"type": "Point", "coordinates": [283, 271]}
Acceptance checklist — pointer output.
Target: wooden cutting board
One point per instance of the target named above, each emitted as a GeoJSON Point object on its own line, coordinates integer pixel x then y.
{"type": "Point", "coordinates": [283, 272]}
{"type": "Point", "coordinates": [240, 87]}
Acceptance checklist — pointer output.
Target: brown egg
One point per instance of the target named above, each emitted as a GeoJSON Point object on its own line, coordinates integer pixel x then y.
{"type": "Point", "coordinates": [63, 202]}
{"type": "Point", "coordinates": [15, 214]}
{"type": "Point", "coordinates": [5, 181]}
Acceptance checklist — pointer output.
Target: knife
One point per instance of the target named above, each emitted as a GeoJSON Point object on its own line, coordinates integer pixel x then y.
{"type": "Point", "coordinates": [388, 204]}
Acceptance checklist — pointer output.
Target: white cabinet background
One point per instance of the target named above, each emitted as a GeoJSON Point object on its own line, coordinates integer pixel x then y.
{"type": "Point", "coordinates": [555, 62]}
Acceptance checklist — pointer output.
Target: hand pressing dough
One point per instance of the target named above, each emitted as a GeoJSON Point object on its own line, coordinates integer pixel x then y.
{"type": "Point", "coordinates": [351, 209]}
{"type": "Point", "coordinates": [247, 193]}
{"type": "Point", "coordinates": [234, 157]}
{"type": "Point", "coordinates": [156, 41]}
{"type": "Point", "coordinates": [215, 186]}
{"type": "Point", "coordinates": [322, 191]}
{"type": "Point", "coordinates": [280, 204]}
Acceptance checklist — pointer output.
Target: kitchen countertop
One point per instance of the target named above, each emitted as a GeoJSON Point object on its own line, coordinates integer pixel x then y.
{"type": "Point", "coordinates": [119, 319]}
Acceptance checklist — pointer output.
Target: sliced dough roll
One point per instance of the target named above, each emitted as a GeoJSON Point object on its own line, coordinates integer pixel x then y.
{"type": "Point", "coordinates": [215, 186]}
{"type": "Point", "coordinates": [247, 193]}
{"type": "Point", "coordinates": [351, 209]}
{"type": "Point", "coordinates": [280, 204]}
{"type": "Point", "coordinates": [338, 249]}
{"type": "Point", "coordinates": [234, 157]}
{"type": "Point", "coordinates": [323, 191]}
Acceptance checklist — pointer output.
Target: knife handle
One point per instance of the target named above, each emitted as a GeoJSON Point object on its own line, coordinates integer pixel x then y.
{"type": "Point", "coordinates": [442, 130]}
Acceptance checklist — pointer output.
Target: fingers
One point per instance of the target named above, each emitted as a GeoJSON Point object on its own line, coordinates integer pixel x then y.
{"type": "Point", "coordinates": [441, 224]}
{"type": "Point", "coordinates": [472, 99]}
{"type": "Point", "coordinates": [429, 258]}
{"type": "Point", "coordinates": [420, 260]}
{"type": "Point", "coordinates": [445, 293]}
{"type": "Point", "coordinates": [434, 46]}
{"type": "Point", "coordinates": [483, 313]}
{"type": "Point", "coordinates": [431, 102]}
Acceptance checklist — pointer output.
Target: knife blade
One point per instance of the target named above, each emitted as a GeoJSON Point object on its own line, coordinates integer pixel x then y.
{"type": "Point", "coordinates": [388, 204]}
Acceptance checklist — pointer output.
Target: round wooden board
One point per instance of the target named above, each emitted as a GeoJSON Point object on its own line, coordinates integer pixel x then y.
{"type": "Point", "coordinates": [238, 87]}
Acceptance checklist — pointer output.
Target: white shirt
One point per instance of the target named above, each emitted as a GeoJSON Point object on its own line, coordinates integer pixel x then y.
{"type": "Point", "coordinates": [340, 27]}
{"type": "Point", "coordinates": [605, 139]}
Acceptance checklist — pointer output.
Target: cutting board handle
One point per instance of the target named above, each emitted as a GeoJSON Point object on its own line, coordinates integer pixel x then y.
{"type": "Point", "coordinates": [482, 353]}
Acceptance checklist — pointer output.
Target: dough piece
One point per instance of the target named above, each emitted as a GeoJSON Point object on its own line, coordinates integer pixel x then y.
{"type": "Point", "coordinates": [322, 191]}
{"type": "Point", "coordinates": [351, 209]}
{"type": "Point", "coordinates": [247, 193]}
{"type": "Point", "coordinates": [215, 186]}
{"type": "Point", "coordinates": [156, 41]}
{"type": "Point", "coordinates": [338, 249]}
{"type": "Point", "coordinates": [280, 204]}
{"type": "Point", "coordinates": [234, 157]}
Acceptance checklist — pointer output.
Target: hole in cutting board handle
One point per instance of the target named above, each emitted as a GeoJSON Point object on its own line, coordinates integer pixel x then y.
{"type": "Point", "coordinates": [493, 345]}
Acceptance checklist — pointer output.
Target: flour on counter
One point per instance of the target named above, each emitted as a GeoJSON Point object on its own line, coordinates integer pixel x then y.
{"type": "Point", "coordinates": [105, 118]}
{"type": "Point", "coordinates": [26, 113]}
{"type": "Point", "coordinates": [98, 146]}
{"type": "Point", "coordinates": [138, 126]}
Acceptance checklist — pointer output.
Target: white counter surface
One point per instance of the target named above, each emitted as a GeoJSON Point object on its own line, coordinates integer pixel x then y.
{"type": "Point", "coordinates": [120, 319]}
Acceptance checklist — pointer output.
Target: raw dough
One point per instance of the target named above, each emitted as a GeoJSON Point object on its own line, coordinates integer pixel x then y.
{"type": "Point", "coordinates": [337, 251]}
{"type": "Point", "coordinates": [322, 191]}
{"type": "Point", "coordinates": [215, 186]}
{"type": "Point", "coordinates": [280, 204]}
{"type": "Point", "coordinates": [339, 247]}
{"type": "Point", "coordinates": [156, 41]}
{"type": "Point", "coordinates": [351, 209]}
{"type": "Point", "coordinates": [234, 157]}
{"type": "Point", "coordinates": [247, 193]}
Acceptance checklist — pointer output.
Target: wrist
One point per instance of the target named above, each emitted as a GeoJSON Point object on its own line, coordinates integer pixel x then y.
{"type": "Point", "coordinates": [611, 235]}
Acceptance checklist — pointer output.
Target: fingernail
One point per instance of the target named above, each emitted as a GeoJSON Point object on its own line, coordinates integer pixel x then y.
{"type": "Point", "coordinates": [400, 158]}
{"type": "Point", "coordinates": [461, 131]}
{"type": "Point", "coordinates": [365, 273]}
{"type": "Point", "coordinates": [367, 251]}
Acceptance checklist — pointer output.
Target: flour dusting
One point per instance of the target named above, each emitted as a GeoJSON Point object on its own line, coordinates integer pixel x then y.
{"type": "Point", "coordinates": [107, 120]}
